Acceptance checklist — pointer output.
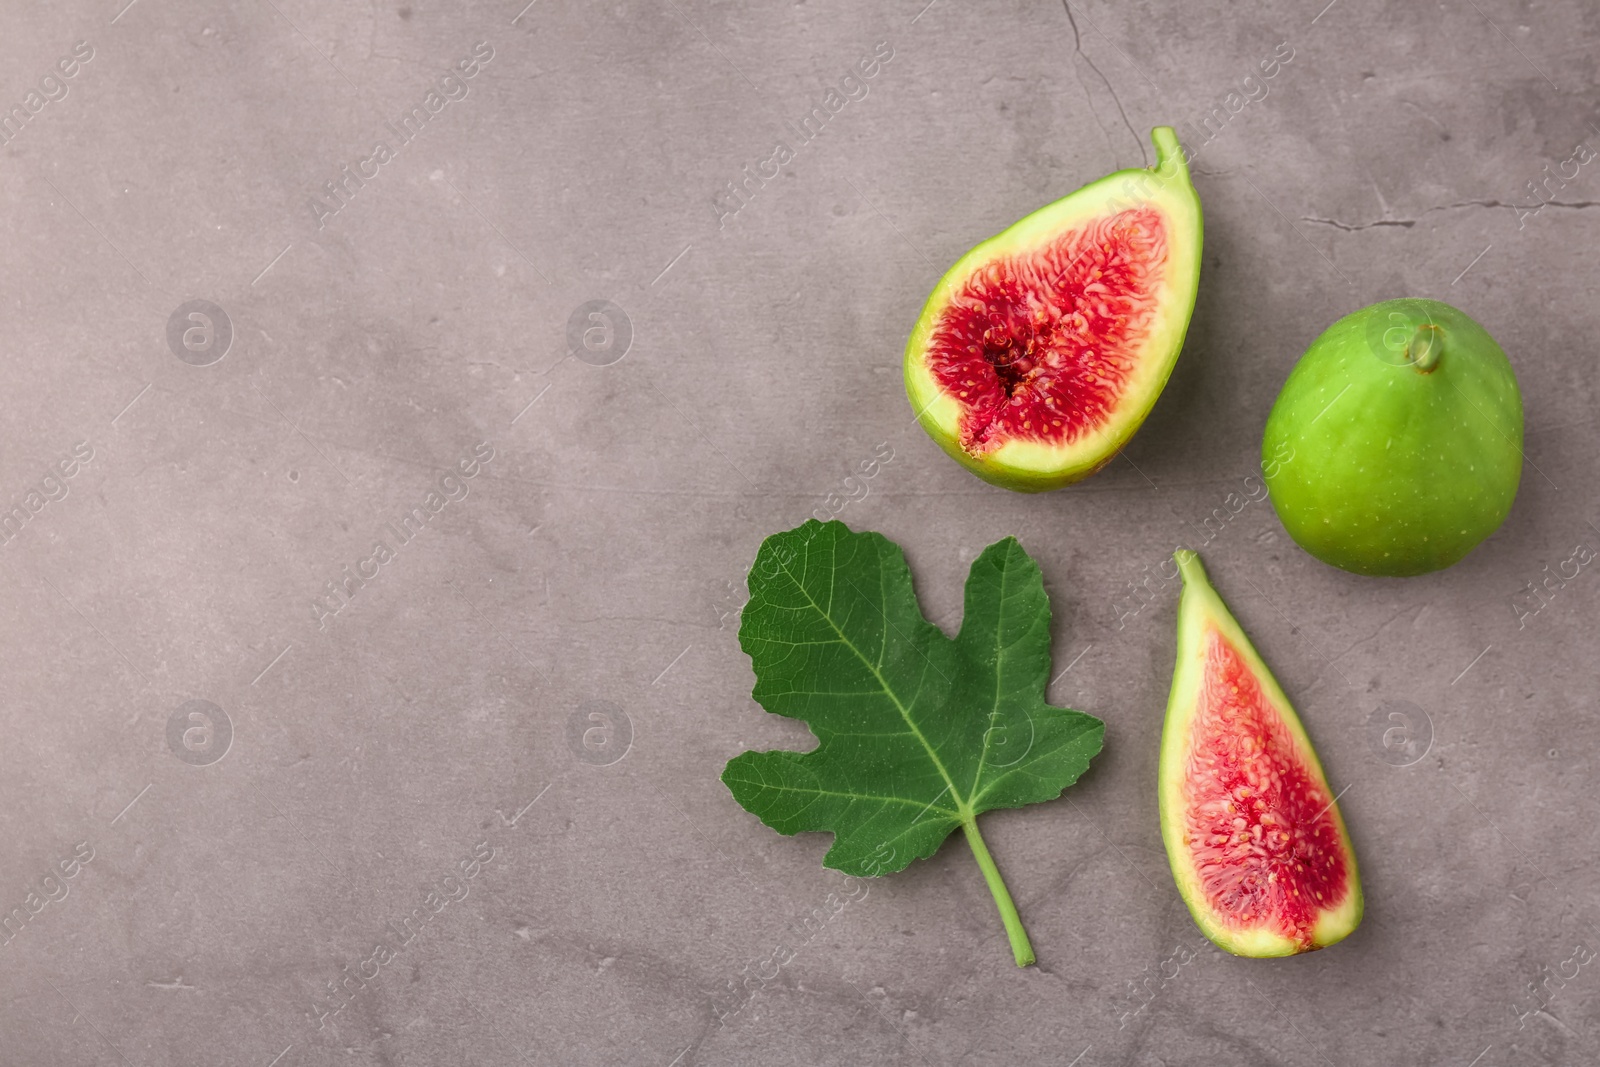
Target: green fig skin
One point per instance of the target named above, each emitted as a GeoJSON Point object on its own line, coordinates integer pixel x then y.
{"type": "Point", "coordinates": [1395, 446]}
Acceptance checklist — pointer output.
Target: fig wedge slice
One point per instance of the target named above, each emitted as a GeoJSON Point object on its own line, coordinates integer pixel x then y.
{"type": "Point", "coordinates": [1254, 835]}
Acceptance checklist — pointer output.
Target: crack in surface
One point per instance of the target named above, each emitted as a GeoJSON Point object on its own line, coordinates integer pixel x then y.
{"type": "Point", "coordinates": [1078, 52]}
{"type": "Point", "coordinates": [1516, 207]}
{"type": "Point", "coordinates": [1408, 223]}
{"type": "Point", "coordinates": [1560, 203]}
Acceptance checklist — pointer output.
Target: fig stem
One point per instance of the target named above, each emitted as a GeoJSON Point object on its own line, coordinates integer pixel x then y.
{"type": "Point", "coordinates": [1171, 160]}
{"type": "Point", "coordinates": [1189, 566]}
{"type": "Point", "coordinates": [1425, 347]}
{"type": "Point", "coordinates": [1021, 947]}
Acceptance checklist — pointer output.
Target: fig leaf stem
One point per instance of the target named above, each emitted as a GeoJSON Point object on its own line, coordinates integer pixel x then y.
{"type": "Point", "coordinates": [1021, 947]}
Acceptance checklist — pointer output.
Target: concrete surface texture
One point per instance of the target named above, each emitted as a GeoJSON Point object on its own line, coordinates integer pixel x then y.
{"type": "Point", "coordinates": [396, 395]}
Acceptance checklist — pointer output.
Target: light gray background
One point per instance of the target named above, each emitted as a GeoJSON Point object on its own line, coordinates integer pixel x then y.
{"type": "Point", "coordinates": [596, 563]}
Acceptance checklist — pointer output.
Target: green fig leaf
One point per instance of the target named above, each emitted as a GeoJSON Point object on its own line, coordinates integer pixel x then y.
{"type": "Point", "coordinates": [918, 733]}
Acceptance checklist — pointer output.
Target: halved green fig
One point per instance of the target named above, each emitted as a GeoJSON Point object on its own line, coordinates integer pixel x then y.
{"type": "Point", "coordinates": [1042, 350]}
{"type": "Point", "coordinates": [1257, 846]}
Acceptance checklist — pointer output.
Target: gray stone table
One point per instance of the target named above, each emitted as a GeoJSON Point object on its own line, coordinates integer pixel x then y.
{"type": "Point", "coordinates": [531, 299]}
